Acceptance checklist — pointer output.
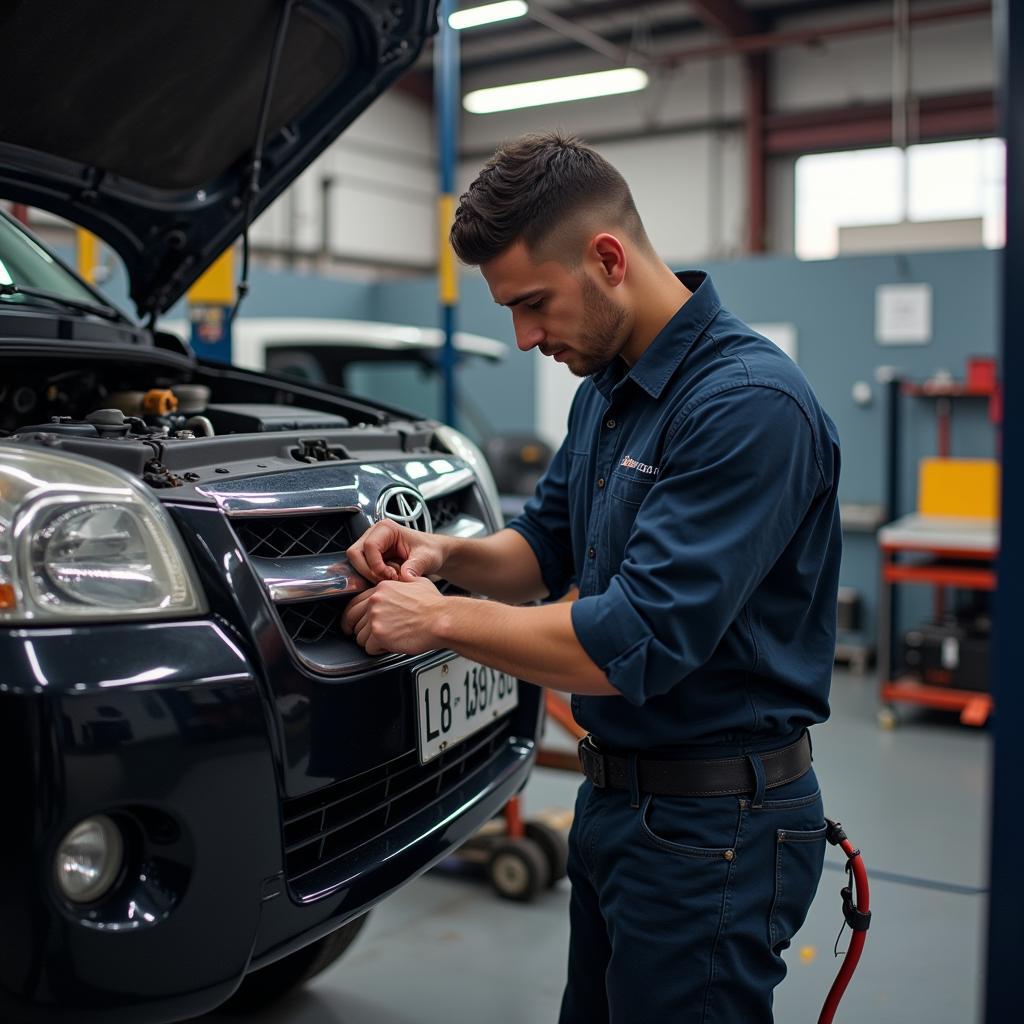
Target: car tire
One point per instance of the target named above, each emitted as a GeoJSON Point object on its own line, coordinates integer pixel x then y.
{"type": "Point", "coordinates": [518, 869]}
{"type": "Point", "coordinates": [276, 980]}
{"type": "Point", "coordinates": [555, 846]}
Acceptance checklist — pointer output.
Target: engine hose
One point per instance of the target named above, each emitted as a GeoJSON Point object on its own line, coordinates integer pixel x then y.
{"type": "Point", "coordinates": [857, 915]}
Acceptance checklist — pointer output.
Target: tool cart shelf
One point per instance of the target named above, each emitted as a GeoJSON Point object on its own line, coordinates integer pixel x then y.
{"type": "Point", "coordinates": [937, 551]}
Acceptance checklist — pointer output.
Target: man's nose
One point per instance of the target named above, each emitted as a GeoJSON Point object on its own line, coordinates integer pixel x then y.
{"type": "Point", "coordinates": [529, 337]}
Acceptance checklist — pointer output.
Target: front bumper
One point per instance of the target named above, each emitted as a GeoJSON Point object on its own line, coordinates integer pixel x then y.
{"type": "Point", "coordinates": [167, 728]}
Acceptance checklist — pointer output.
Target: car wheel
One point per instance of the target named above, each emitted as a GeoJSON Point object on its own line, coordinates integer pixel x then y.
{"type": "Point", "coordinates": [291, 972]}
{"type": "Point", "coordinates": [555, 847]}
{"type": "Point", "coordinates": [518, 869]}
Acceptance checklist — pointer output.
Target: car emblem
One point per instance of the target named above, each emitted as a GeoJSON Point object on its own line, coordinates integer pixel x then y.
{"type": "Point", "coordinates": [406, 507]}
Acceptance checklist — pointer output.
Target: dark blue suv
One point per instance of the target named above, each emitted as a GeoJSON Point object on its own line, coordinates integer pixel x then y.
{"type": "Point", "coordinates": [206, 785]}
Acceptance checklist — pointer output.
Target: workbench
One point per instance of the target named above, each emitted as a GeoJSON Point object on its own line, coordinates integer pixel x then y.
{"type": "Point", "coordinates": [939, 551]}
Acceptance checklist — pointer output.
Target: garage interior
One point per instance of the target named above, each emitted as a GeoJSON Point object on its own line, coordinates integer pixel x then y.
{"type": "Point", "coordinates": [840, 169]}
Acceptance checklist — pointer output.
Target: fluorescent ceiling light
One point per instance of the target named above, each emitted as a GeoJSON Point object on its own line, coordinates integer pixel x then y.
{"type": "Point", "coordinates": [488, 13]}
{"type": "Point", "coordinates": [555, 90]}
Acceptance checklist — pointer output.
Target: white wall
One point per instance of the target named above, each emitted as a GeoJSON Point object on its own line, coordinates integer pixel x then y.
{"type": "Point", "coordinates": [946, 57]}
{"type": "Point", "coordinates": [381, 204]}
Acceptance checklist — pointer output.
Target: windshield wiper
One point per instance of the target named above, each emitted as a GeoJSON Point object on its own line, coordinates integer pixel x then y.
{"type": "Point", "coordinates": [96, 308]}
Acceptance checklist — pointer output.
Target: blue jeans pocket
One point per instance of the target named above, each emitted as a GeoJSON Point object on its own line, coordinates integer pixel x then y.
{"type": "Point", "coordinates": [692, 827]}
{"type": "Point", "coordinates": [799, 858]}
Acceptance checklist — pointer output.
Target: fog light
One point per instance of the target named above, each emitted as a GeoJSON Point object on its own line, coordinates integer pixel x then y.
{"type": "Point", "coordinates": [89, 859]}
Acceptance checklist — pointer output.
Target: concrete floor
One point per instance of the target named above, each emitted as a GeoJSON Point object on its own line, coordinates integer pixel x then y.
{"type": "Point", "coordinates": [446, 951]}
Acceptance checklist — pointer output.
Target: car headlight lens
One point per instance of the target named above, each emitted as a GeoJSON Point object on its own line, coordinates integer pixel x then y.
{"type": "Point", "coordinates": [81, 540]}
{"type": "Point", "coordinates": [89, 859]}
{"type": "Point", "coordinates": [458, 444]}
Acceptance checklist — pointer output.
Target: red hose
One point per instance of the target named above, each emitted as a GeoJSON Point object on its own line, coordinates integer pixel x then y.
{"type": "Point", "coordinates": [862, 907]}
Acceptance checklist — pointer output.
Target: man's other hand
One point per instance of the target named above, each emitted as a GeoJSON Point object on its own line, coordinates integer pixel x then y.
{"type": "Point", "coordinates": [395, 617]}
{"type": "Point", "coordinates": [388, 551]}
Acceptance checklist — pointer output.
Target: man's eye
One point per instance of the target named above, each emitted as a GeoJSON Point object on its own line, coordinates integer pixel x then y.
{"type": "Point", "coordinates": [535, 305]}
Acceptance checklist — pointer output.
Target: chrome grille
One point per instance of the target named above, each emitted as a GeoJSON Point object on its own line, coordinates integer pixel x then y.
{"type": "Point", "coordinates": [285, 536]}
{"type": "Point", "coordinates": [332, 822]}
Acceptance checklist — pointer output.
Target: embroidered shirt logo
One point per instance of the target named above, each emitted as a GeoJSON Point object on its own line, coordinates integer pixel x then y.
{"type": "Point", "coordinates": [641, 467]}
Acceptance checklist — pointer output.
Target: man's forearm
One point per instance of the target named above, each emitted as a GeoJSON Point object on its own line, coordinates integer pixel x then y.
{"type": "Point", "coordinates": [538, 643]}
{"type": "Point", "coordinates": [502, 566]}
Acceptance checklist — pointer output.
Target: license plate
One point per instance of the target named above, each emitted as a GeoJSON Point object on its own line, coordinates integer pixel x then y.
{"type": "Point", "coordinates": [458, 697]}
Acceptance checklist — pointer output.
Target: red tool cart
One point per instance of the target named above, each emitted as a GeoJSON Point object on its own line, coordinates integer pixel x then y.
{"type": "Point", "coordinates": [941, 552]}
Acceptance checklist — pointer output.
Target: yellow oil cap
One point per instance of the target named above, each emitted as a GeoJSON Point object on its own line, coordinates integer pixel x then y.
{"type": "Point", "coordinates": [159, 402]}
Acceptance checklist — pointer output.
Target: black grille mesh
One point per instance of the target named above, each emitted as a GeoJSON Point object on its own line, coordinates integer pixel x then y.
{"type": "Point", "coordinates": [444, 511]}
{"type": "Point", "coordinates": [332, 822]}
{"type": "Point", "coordinates": [307, 622]}
{"type": "Point", "coordinates": [284, 536]}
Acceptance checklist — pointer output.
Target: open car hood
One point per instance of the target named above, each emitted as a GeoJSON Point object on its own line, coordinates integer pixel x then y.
{"type": "Point", "coordinates": [139, 122]}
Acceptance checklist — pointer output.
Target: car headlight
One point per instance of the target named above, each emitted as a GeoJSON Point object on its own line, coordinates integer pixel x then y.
{"type": "Point", "coordinates": [89, 859]}
{"type": "Point", "coordinates": [458, 444]}
{"type": "Point", "coordinates": [83, 541]}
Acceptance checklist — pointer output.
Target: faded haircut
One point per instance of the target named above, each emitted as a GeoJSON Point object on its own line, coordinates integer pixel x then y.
{"type": "Point", "coordinates": [551, 191]}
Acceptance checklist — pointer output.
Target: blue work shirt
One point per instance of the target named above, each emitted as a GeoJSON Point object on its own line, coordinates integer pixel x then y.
{"type": "Point", "coordinates": [694, 504]}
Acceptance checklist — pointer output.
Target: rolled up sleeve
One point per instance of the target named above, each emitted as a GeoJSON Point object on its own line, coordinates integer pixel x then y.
{"type": "Point", "coordinates": [737, 478]}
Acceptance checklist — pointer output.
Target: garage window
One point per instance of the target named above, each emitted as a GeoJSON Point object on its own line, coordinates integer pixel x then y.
{"type": "Point", "coordinates": [935, 196]}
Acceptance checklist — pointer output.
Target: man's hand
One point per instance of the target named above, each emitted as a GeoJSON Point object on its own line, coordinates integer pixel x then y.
{"type": "Point", "coordinates": [395, 617]}
{"type": "Point", "coordinates": [388, 551]}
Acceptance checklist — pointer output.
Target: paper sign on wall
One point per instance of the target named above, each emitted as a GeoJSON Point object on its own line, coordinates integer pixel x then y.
{"type": "Point", "coordinates": [781, 334]}
{"type": "Point", "coordinates": [903, 314]}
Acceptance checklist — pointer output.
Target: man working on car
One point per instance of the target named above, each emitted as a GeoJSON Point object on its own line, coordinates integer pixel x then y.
{"type": "Point", "coordinates": [694, 503]}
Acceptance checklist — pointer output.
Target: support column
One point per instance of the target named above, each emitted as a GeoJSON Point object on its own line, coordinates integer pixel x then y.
{"type": "Point", "coordinates": [757, 171]}
{"type": "Point", "coordinates": [1005, 934]}
{"type": "Point", "coordinates": [446, 113]}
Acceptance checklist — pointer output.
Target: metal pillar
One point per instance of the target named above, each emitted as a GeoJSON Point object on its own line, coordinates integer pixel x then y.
{"type": "Point", "coordinates": [1005, 933]}
{"type": "Point", "coordinates": [757, 103]}
{"type": "Point", "coordinates": [446, 112]}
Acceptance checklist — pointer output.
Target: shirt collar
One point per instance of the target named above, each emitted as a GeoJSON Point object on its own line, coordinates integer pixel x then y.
{"type": "Point", "coordinates": [669, 347]}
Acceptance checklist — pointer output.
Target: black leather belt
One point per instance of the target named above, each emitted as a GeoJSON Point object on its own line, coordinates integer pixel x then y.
{"type": "Point", "coordinates": [725, 776]}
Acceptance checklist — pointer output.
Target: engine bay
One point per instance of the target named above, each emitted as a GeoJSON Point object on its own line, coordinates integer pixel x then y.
{"type": "Point", "coordinates": [173, 427]}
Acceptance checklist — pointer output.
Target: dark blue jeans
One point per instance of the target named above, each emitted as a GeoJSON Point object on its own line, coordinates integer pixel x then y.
{"type": "Point", "coordinates": [681, 906]}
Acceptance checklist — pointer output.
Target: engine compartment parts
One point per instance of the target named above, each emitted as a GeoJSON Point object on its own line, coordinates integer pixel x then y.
{"type": "Point", "coordinates": [245, 418]}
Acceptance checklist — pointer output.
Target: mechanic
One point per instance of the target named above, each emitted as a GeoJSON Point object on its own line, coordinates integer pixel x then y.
{"type": "Point", "coordinates": [694, 504]}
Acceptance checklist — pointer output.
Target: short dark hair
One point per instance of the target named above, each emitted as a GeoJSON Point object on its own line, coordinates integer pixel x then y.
{"type": "Point", "coordinates": [540, 188]}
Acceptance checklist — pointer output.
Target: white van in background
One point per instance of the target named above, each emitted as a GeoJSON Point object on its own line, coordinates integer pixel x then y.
{"type": "Point", "coordinates": [322, 349]}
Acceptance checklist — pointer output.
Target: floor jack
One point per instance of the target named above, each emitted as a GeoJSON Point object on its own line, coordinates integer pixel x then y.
{"type": "Point", "coordinates": [524, 856]}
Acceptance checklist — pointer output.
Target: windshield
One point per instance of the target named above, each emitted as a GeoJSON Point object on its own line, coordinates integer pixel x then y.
{"type": "Point", "coordinates": [25, 264]}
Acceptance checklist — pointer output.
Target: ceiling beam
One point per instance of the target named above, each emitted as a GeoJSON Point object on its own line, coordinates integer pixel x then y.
{"type": "Point", "coordinates": [563, 47]}
{"type": "Point", "coordinates": [758, 43]}
{"type": "Point", "coordinates": [964, 115]}
{"type": "Point", "coordinates": [942, 118]}
{"type": "Point", "coordinates": [726, 16]}
{"type": "Point", "coordinates": [767, 41]}
{"type": "Point", "coordinates": [578, 33]}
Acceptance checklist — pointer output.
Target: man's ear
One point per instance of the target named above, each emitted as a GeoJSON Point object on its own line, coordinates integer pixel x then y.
{"type": "Point", "coordinates": [611, 254]}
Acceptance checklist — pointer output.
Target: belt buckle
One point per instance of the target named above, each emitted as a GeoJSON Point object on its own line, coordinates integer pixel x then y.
{"type": "Point", "coordinates": [593, 763]}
